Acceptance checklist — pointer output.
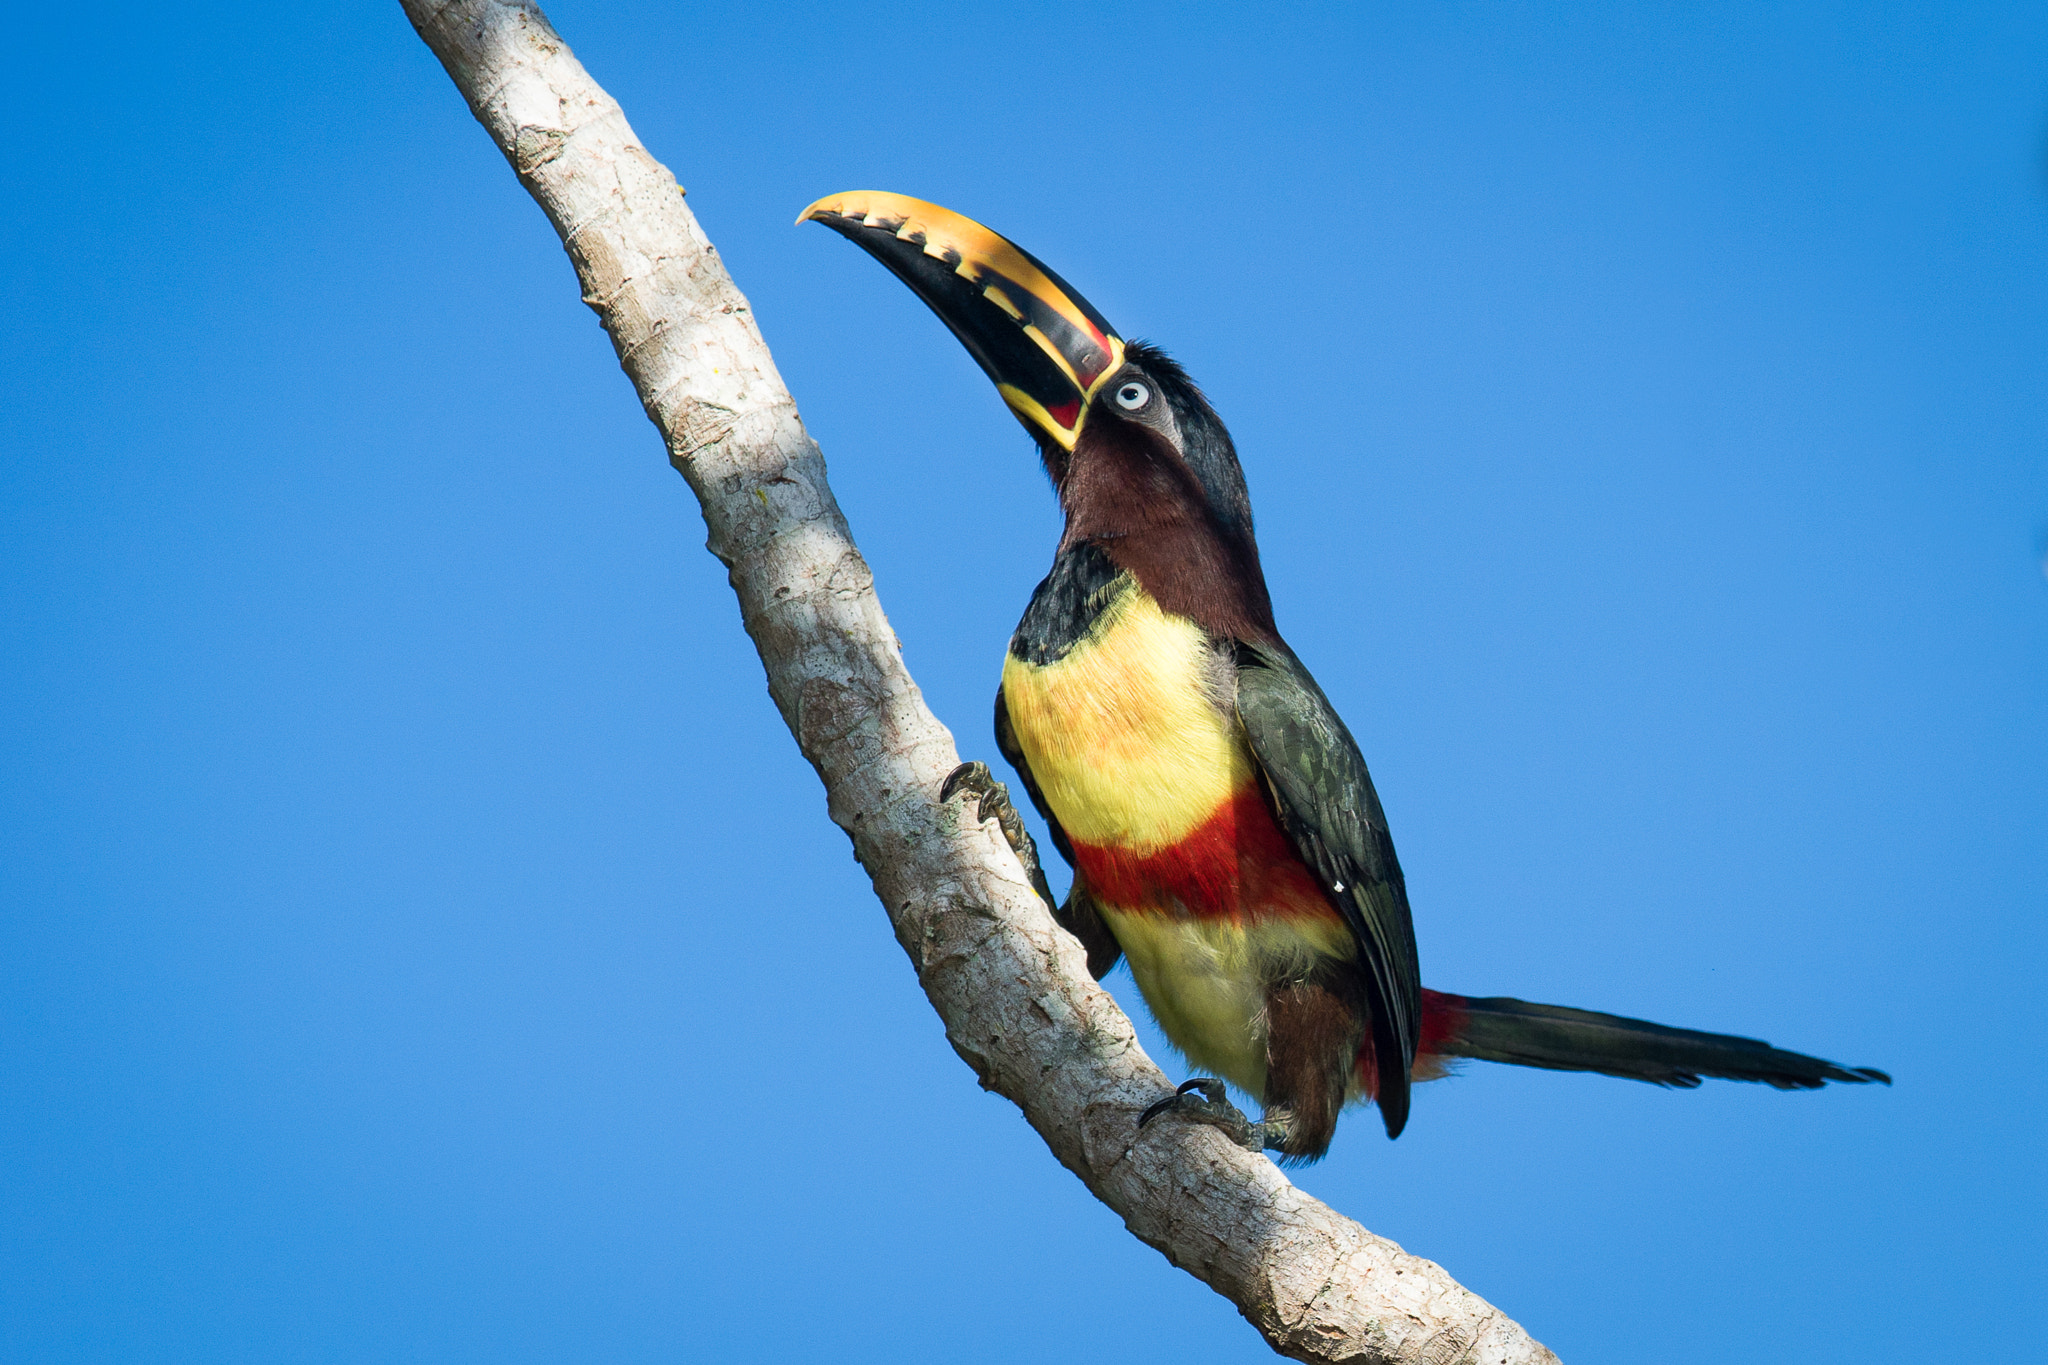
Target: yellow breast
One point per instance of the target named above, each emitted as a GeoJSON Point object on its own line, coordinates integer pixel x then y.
{"type": "Point", "coordinates": [1126, 734]}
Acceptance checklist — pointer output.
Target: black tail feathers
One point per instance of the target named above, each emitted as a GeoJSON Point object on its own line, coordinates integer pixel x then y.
{"type": "Point", "coordinates": [1499, 1029]}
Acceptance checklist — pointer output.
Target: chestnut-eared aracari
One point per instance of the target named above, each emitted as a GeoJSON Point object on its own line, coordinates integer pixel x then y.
{"type": "Point", "coordinates": [1223, 831]}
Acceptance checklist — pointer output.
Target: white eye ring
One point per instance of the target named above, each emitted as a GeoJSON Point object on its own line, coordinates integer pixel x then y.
{"type": "Point", "coordinates": [1132, 396]}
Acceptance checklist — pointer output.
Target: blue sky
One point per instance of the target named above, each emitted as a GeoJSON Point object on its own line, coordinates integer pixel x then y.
{"type": "Point", "coordinates": [421, 940]}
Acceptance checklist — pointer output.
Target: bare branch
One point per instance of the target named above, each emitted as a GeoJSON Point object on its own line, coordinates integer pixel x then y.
{"type": "Point", "coordinates": [1012, 988]}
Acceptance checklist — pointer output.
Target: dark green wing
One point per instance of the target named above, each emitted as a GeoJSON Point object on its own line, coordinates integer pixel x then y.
{"type": "Point", "coordinates": [1322, 794]}
{"type": "Point", "coordinates": [1078, 916]}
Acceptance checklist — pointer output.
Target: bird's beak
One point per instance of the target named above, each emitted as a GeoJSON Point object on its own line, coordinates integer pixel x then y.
{"type": "Point", "coordinates": [1044, 346]}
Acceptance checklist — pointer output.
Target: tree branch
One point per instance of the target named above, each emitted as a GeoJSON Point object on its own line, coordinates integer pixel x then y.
{"type": "Point", "coordinates": [1012, 988]}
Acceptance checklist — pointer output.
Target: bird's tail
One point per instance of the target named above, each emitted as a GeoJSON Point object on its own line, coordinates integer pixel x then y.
{"type": "Point", "coordinates": [1497, 1029]}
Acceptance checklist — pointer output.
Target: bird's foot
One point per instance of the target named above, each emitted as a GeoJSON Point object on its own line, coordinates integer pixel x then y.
{"type": "Point", "coordinates": [992, 802]}
{"type": "Point", "coordinates": [1203, 1100]}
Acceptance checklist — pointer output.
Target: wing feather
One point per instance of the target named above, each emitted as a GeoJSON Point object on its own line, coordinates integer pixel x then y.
{"type": "Point", "coordinates": [1322, 794]}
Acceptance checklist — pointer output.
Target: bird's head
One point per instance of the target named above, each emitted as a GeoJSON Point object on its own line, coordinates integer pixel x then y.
{"type": "Point", "coordinates": [1126, 436]}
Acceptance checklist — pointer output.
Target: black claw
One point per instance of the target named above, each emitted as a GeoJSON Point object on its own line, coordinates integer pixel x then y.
{"type": "Point", "coordinates": [1211, 1108]}
{"type": "Point", "coordinates": [976, 773]}
{"type": "Point", "coordinates": [991, 799]}
{"type": "Point", "coordinates": [992, 802]}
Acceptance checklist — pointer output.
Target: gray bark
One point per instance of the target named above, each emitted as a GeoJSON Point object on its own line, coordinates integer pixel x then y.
{"type": "Point", "coordinates": [1012, 988]}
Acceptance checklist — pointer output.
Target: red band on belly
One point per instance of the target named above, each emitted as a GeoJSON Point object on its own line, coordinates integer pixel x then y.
{"type": "Point", "coordinates": [1236, 865]}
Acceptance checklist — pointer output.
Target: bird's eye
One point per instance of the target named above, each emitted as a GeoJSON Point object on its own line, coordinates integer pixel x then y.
{"type": "Point", "coordinates": [1131, 397]}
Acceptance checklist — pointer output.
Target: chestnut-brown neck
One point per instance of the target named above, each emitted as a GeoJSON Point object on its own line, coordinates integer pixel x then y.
{"type": "Point", "coordinates": [1130, 495]}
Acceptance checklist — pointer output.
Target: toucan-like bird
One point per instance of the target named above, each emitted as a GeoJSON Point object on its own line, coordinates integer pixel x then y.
{"type": "Point", "coordinates": [1224, 833]}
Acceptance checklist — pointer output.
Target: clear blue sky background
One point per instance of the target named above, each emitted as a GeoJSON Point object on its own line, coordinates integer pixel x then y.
{"type": "Point", "coordinates": [422, 942]}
